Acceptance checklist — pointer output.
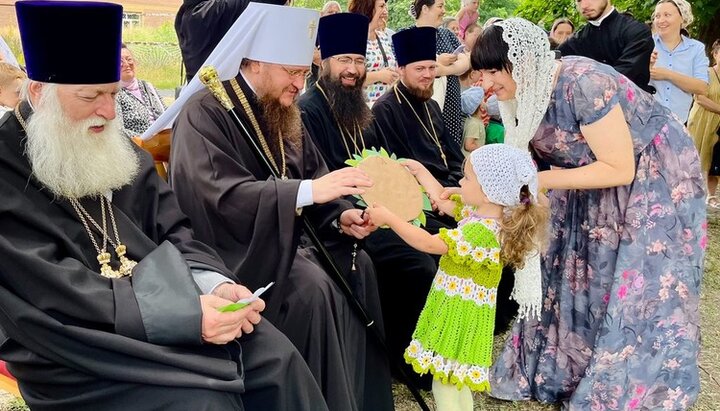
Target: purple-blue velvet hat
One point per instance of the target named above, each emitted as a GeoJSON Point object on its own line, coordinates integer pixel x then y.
{"type": "Point", "coordinates": [71, 42]}
{"type": "Point", "coordinates": [414, 44]}
{"type": "Point", "coordinates": [343, 33]}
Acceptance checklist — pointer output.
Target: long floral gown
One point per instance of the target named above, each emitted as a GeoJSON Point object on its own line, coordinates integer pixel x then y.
{"type": "Point", "coordinates": [619, 328]}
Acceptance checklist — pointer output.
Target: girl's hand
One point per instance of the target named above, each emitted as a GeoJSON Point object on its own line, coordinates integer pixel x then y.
{"type": "Point", "coordinates": [448, 191]}
{"type": "Point", "coordinates": [413, 166]}
{"type": "Point", "coordinates": [379, 215]}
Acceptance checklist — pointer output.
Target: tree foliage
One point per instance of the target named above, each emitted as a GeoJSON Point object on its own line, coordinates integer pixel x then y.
{"type": "Point", "coordinates": [399, 17]}
{"type": "Point", "coordinates": [706, 27]}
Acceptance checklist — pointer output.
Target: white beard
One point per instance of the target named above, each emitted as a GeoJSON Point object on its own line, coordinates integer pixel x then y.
{"type": "Point", "coordinates": [72, 161]}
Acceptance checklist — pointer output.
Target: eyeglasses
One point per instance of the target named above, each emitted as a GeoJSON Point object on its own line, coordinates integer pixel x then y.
{"type": "Point", "coordinates": [345, 60]}
{"type": "Point", "coordinates": [297, 73]}
{"type": "Point", "coordinates": [126, 60]}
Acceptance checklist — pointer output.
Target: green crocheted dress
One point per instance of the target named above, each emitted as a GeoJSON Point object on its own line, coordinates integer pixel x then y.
{"type": "Point", "coordinates": [453, 338]}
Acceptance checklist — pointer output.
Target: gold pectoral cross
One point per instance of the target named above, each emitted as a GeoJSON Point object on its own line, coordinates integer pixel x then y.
{"type": "Point", "coordinates": [311, 29]}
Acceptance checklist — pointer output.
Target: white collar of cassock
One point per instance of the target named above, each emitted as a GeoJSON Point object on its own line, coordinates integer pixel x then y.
{"type": "Point", "coordinates": [599, 21]}
{"type": "Point", "coordinates": [248, 82]}
{"type": "Point", "coordinates": [254, 35]}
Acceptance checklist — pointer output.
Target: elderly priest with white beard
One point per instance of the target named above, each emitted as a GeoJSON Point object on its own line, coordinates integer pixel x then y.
{"type": "Point", "coordinates": [106, 300]}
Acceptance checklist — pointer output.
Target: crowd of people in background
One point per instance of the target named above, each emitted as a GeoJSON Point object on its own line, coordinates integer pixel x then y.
{"type": "Point", "coordinates": [679, 77]}
{"type": "Point", "coordinates": [569, 172]}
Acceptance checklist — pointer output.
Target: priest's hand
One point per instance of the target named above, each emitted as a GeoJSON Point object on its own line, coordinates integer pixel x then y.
{"type": "Point", "coordinates": [231, 291]}
{"type": "Point", "coordinates": [234, 292]}
{"type": "Point", "coordinates": [343, 182]}
{"type": "Point", "coordinates": [223, 327]}
{"type": "Point", "coordinates": [356, 223]}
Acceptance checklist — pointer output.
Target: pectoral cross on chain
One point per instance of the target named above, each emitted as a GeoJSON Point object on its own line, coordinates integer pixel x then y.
{"type": "Point", "coordinates": [311, 29]}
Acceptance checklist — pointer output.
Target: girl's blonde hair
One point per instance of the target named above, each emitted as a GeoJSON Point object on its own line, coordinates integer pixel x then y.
{"type": "Point", "coordinates": [523, 230]}
{"type": "Point", "coordinates": [9, 73]}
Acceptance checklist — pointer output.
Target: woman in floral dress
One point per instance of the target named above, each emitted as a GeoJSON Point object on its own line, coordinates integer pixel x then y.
{"type": "Point", "coordinates": [380, 60]}
{"type": "Point", "coordinates": [619, 327]}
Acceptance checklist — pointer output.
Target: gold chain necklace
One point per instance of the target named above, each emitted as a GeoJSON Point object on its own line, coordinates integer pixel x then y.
{"type": "Point", "coordinates": [352, 137]}
{"type": "Point", "coordinates": [248, 110]}
{"type": "Point", "coordinates": [103, 257]}
{"type": "Point", "coordinates": [126, 264]}
{"type": "Point", "coordinates": [433, 135]}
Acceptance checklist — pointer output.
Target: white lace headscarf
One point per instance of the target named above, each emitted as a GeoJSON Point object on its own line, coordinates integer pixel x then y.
{"type": "Point", "coordinates": [533, 69]}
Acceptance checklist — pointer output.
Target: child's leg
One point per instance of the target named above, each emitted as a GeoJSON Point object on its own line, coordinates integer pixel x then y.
{"type": "Point", "coordinates": [447, 397]}
{"type": "Point", "coordinates": [466, 399]}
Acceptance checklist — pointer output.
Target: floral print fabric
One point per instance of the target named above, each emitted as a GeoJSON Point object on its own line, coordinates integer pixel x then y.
{"type": "Point", "coordinates": [374, 61]}
{"type": "Point", "coordinates": [619, 328]}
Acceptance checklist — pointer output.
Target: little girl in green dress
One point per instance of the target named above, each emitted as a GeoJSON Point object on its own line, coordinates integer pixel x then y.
{"type": "Point", "coordinates": [499, 222]}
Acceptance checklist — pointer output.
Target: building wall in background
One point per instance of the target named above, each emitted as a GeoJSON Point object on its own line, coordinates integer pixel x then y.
{"type": "Point", "coordinates": [146, 13]}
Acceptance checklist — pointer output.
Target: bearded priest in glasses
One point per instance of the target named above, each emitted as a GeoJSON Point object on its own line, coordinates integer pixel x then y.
{"type": "Point", "coordinates": [334, 110]}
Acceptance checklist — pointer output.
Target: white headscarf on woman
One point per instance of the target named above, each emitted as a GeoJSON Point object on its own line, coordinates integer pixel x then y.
{"type": "Point", "coordinates": [533, 69]}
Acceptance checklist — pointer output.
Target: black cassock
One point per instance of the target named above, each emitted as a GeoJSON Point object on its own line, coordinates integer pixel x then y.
{"type": "Point", "coordinates": [78, 341]}
{"type": "Point", "coordinates": [250, 218]}
{"type": "Point", "coordinates": [621, 42]}
{"type": "Point", "coordinates": [396, 122]}
{"type": "Point", "coordinates": [397, 263]}
{"type": "Point", "coordinates": [321, 126]}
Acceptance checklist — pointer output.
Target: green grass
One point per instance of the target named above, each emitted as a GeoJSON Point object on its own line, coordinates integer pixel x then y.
{"type": "Point", "coordinates": [155, 49]}
{"type": "Point", "coordinates": [157, 54]}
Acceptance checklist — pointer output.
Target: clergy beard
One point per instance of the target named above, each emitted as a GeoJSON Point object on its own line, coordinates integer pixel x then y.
{"type": "Point", "coordinates": [420, 93]}
{"type": "Point", "coordinates": [348, 103]}
{"type": "Point", "coordinates": [280, 120]}
{"type": "Point", "coordinates": [72, 161]}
